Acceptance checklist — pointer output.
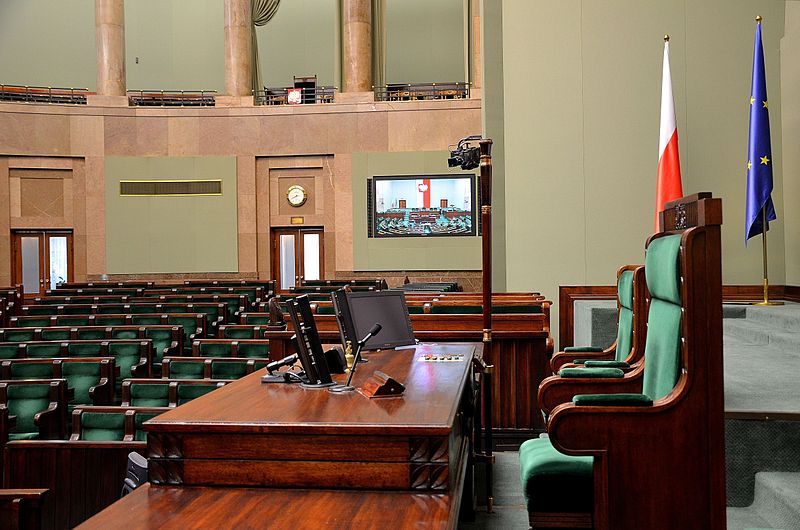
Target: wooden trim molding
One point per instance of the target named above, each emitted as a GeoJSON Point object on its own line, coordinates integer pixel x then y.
{"type": "Point", "coordinates": [569, 294]}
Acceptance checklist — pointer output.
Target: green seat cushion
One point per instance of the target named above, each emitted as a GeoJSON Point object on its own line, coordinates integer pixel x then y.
{"type": "Point", "coordinates": [33, 322]}
{"type": "Point", "coordinates": [102, 320]}
{"type": "Point", "coordinates": [257, 320]}
{"type": "Point", "coordinates": [73, 321]}
{"type": "Point", "coordinates": [555, 482]}
{"type": "Point", "coordinates": [103, 426]}
{"type": "Point", "coordinates": [91, 334]}
{"type": "Point", "coordinates": [606, 364]}
{"type": "Point", "coordinates": [24, 401]}
{"type": "Point", "coordinates": [150, 320]}
{"type": "Point", "coordinates": [9, 351]}
{"type": "Point", "coordinates": [40, 351]}
{"type": "Point", "coordinates": [516, 309]}
{"type": "Point", "coordinates": [416, 310]}
{"type": "Point", "coordinates": [124, 334]}
{"type": "Point", "coordinates": [186, 369]}
{"type": "Point", "coordinates": [613, 400]}
{"type": "Point", "coordinates": [238, 333]}
{"type": "Point", "coordinates": [14, 436]}
{"type": "Point", "coordinates": [591, 372]}
{"type": "Point", "coordinates": [215, 350]}
{"type": "Point", "coordinates": [18, 335]}
{"type": "Point", "coordinates": [254, 350]}
{"type": "Point", "coordinates": [55, 334]}
{"type": "Point", "coordinates": [229, 370]}
{"type": "Point", "coordinates": [187, 393]}
{"type": "Point", "coordinates": [23, 370]}
{"type": "Point", "coordinates": [81, 377]}
{"type": "Point", "coordinates": [41, 310]}
{"type": "Point", "coordinates": [150, 395]}
{"type": "Point", "coordinates": [325, 310]}
{"type": "Point", "coordinates": [94, 349]}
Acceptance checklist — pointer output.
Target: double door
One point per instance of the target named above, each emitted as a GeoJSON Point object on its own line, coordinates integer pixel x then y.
{"type": "Point", "coordinates": [41, 259]}
{"type": "Point", "coordinates": [298, 255]}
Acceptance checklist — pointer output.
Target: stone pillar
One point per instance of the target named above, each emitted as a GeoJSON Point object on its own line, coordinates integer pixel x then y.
{"type": "Point", "coordinates": [238, 49]}
{"type": "Point", "coordinates": [109, 23]}
{"type": "Point", "coordinates": [357, 42]}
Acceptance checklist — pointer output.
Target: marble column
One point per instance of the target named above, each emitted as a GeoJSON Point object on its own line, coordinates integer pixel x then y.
{"type": "Point", "coordinates": [357, 42]}
{"type": "Point", "coordinates": [109, 23]}
{"type": "Point", "coordinates": [238, 48]}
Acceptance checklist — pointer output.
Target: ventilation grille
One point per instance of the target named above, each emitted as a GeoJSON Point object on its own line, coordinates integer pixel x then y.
{"type": "Point", "coordinates": [155, 188]}
{"type": "Point", "coordinates": [370, 209]}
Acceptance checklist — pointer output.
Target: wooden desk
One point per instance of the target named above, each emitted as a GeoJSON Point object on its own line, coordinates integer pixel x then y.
{"type": "Point", "coordinates": [406, 456]}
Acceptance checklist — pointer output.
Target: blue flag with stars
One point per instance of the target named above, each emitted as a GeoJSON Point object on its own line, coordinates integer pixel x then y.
{"type": "Point", "coordinates": [759, 150]}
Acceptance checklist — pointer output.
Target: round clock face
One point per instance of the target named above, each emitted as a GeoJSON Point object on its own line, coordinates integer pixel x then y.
{"type": "Point", "coordinates": [296, 195]}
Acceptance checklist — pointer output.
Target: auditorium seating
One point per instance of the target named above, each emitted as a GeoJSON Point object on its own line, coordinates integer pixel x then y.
{"type": "Point", "coordinates": [121, 424]}
{"type": "Point", "coordinates": [209, 368]}
{"type": "Point", "coordinates": [90, 378]}
{"type": "Point", "coordinates": [230, 348]}
{"type": "Point", "coordinates": [653, 459]}
{"type": "Point", "coordinates": [39, 407]}
{"type": "Point", "coordinates": [631, 322]}
{"type": "Point", "coordinates": [165, 393]}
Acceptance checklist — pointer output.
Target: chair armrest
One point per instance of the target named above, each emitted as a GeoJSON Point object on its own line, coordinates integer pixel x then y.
{"type": "Point", "coordinates": [573, 349]}
{"type": "Point", "coordinates": [612, 400]}
{"type": "Point", "coordinates": [102, 393]}
{"type": "Point", "coordinates": [572, 355]}
{"type": "Point", "coordinates": [140, 369]}
{"type": "Point", "coordinates": [594, 373]}
{"type": "Point", "coordinates": [47, 421]}
{"type": "Point", "coordinates": [607, 364]}
{"type": "Point", "coordinates": [555, 390]}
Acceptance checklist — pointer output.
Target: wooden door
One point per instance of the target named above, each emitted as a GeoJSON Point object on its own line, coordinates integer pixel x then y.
{"type": "Point", "coordinates": [41, 259]}
{"type": "Point", "coordinates": [297, 254]}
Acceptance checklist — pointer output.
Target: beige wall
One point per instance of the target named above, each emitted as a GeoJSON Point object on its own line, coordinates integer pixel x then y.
{"type": "Point", "coordinates": [790, 88]}
{"type": "Point", "coordinates": [407, 253]}
{"type": "Point", "coordinates": [171, 234]}
{"type": "Point", "coordinates": [581, 96]}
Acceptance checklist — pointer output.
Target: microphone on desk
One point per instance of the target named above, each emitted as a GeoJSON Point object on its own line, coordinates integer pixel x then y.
{"type": "Point", "coordinates": [374, 330]}
{"type": "Point", "coordinates": [286, 361]}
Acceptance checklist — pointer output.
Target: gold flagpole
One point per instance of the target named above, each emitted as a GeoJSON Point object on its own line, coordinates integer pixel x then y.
{"type": "Point", "coordinates": [766, 300]}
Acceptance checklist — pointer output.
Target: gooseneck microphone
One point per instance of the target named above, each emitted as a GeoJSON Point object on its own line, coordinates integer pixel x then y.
{"type": "Point", "coordinates": [374, 330]}
{"type": "Point", "coordinates": [286, 361]}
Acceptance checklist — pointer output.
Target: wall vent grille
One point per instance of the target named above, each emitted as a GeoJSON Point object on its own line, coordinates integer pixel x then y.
{"type": "Point", "coordinates": [161, 188]}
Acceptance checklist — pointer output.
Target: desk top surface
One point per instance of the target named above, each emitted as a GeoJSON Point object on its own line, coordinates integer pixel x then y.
{"type": "Point", "coordinates": [428, 405]}
{"type": "Point", "coordinates": [150, 507]}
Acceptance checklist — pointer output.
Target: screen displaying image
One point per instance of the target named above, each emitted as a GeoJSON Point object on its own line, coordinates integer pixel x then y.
{"type": "Point", "coordinates": [422, 205]}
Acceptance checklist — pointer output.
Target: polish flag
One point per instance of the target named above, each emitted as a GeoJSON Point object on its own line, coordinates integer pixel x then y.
{"type": "Point", "coordinates": [668, 186]}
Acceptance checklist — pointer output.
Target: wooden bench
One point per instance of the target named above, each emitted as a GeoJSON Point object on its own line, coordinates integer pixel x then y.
{"type": "Point", "coordinates": [25, 509]}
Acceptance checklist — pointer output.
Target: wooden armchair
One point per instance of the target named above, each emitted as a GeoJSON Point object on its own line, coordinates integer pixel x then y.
{"type": "Point", "coordinates": [40, 407]}
{"type": "Point", "coordinates": [653, 460]}
{"type": "Point", "coordinates": [632, 311]}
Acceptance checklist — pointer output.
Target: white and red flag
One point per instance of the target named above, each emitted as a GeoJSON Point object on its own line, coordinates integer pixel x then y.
{"type": "Point", "coordinates": [668, 185]}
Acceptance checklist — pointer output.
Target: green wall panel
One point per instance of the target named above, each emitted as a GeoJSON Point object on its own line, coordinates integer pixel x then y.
{"type": "Point", "coordinates": [406, 253]}
{"type": "Point", "coordinates": [171, 234]}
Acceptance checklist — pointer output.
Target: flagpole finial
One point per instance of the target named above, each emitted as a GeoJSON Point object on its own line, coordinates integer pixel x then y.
{"type": "Point", "coordinates": [758, 19]}
{"type": "Point", "coordinates": [666, 37]}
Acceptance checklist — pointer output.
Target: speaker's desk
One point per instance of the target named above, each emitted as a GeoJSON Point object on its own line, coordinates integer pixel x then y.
{"type": "Point", "coordinates": [405, 456]}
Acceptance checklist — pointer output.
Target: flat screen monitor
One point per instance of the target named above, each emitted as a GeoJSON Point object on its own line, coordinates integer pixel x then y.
{"type": "Point", "coordinates": [387, 308]}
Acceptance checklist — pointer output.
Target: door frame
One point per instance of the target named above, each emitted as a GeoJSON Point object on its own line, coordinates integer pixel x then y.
{"type": "Point", "coordinates": [44, 255]}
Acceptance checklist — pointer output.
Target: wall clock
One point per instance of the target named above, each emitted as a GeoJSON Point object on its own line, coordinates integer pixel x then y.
{"type": "Point", "coordinates": [296, 195]}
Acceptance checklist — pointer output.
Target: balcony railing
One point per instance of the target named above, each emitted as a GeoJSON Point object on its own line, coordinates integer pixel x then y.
{"type": "Point", "coordinates": [42, 94]}
{"type": "Point", "coordinates": [418, 91]}
{"type": "Point", "coordinates": [295, 96]}
{"type": "Point", "coordinates": [167, 98]}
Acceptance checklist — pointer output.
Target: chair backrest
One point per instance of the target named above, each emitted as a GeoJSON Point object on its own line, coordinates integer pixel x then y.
{"type": "Point", "coordinates": [662, 347]}
{"type": "Point", "coordinates": [625, 319]}
{"type": "Point", "coordinates": [100, 426]}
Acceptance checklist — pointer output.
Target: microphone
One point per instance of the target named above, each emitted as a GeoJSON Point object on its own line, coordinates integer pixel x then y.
{"type": "Point", "coordinates": [374, 330]}
{"type": "Point", "coordinates": [286, 361]}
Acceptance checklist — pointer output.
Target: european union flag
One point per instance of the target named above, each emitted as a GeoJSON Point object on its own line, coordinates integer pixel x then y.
{"type": "Point", "coordinates": [759, 150]}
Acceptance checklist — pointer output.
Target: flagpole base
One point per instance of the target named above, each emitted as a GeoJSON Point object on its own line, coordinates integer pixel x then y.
{"type": "Point", "coordinates": [767, 302]}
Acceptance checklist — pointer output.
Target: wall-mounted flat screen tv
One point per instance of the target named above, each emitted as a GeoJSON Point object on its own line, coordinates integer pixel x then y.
{"type": "Point", "coordinates": [422, 205]}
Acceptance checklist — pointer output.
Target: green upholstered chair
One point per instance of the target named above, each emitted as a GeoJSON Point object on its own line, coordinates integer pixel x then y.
{"type": "Point", "coordinates": [145, 320]}
{"type": "Point", "coordinates": [194, 325]}
{"type": "Point", "coordinates": [30, 322]}
{"type": "Point", "coordinates": [325, 310]}
{"type": "Point", "coordinates": [58, 333]}
{"type": "Point", "coordinates": [17, 335]}
{"type": "Point", "coordinates": [143, 308]}
{"type": "Point", "coordinates": [73, 320]}
{"type": "Point", "coordinates": [232, 368]}
{"type": "Point", "coordinates": [28, 369]}
{"type": "Point", "coordinates": [415, 309]}
{"type": "Point", "coordinates": [11, 350]}
{"type": "Point", "coordinates": [202, 348]}
{"type": "Point", "coordinates": [92, 380]}
{"type": "Point", "coordinates": [98, 426]}
{"type": "Point", "coordinates": [133, 357]}
{"type": "Point", "coordinates": [166, 341]}
{"type": "Point", "coordinates": [110, 320]}
{"type": "Point", "coordinates": [255, 319]}
{"type": "Point", "coordinates": [145, 393]}
{"type": "Point", "coordinates": [240, 331]}
{"type": "Point", "coordinates": [43, 349]}
{"type": "Point", "coordinates": [189, 392]}
{"type": "Point", "coordinates": [253, 349]}
{"type": "Point", "coordinates": [141, 416]}
{"type": "Point", "coordinates": [657, 457]}
{"type": "Point", "coordinates": [39, 406]}
{"type": "Point", "coordinates": [93, 333]}
{"type": "Point", "coordinates": [86, 349]}
{"type": "Point", "coordinates": [183, 368]}
{"type": "Point", "coordinates": [39, 310]}
{"type": "Point", "coordinates": [110, 309]}
{"type": "Point", "coordinates": [125, 333]}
